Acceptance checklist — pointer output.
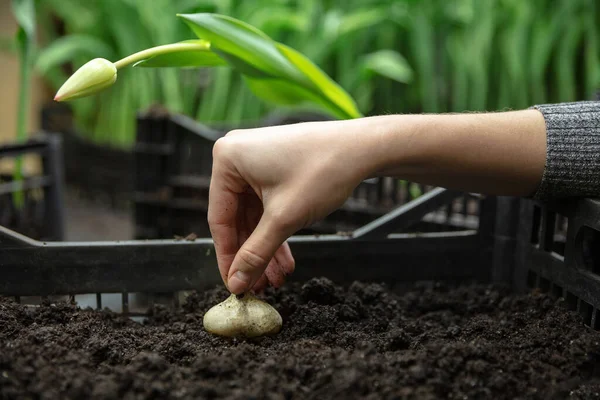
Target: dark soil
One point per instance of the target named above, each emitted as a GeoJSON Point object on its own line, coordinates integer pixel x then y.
{"type": "Point", "coordinates": [472, 342]}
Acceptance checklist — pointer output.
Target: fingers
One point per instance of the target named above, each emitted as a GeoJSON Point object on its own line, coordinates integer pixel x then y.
{"type": "Point", "coordinates": [223, 229]}
{"type": "Point", "coordinates": [232, 218]}
{"type": "Point", "coordinates": [280, 266]}
{"type": "Point", "coordinates": [254, 255]}
{"type": "Point", "coordinates": [222, 212]}
{"type": "Point", "coordinates": [246, 241]}
{"type": "Point", "coordinates": [278, 269]}
{"type": "Point", "coordinates": [285, 259]}
{"type": "Point", "coordinates": [261, 285]}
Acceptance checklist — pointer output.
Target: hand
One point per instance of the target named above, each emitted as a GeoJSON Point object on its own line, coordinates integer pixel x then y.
{"type": "Point", "coordinates": [269, 183]}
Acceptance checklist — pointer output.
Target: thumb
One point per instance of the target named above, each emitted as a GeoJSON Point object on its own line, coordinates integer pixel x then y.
{"type": "Point", "coordinates": [254, 256]}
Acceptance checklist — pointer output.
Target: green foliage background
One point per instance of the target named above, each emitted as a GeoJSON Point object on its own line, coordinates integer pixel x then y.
{"type": "Point", "coordinates": [392, 56]}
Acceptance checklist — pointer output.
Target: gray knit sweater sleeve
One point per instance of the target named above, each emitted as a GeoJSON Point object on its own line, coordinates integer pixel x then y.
{"type": "Point", "coordinates": [573, 150]}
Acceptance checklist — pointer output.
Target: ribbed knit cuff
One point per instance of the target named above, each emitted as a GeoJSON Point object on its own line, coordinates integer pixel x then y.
{"type": "Point", "coordinates": [573, 150]}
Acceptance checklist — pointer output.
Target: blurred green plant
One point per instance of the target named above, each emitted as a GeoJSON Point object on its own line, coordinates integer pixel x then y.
{"type": "Point", "coordinates": [501, 54]}
{"type": "Point", "coordinates": [24, 12]}
{"type": "Point", "coordinates": [392, 56]}
{"type": "Point", "coordinates": [440, 55]}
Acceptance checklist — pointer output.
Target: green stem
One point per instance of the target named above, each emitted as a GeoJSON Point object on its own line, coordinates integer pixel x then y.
{"type": "Point", "coordinates": [23, 108]}
{"type": "Point", "coordinates": [160, 50]}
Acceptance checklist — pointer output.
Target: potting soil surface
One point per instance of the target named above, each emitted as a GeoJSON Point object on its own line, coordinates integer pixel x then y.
{"type": "Point", "coordinates": [362, 341]}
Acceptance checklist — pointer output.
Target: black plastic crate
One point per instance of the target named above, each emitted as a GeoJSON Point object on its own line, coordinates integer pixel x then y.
{"type": "Point", "coordinates": [41, 215]}
{"type": "Point", "coordinates": [94, 172]}
{"type": "Point", "coordinates": [389, 245]}
{"type": "Point", "coordinates": [558, 251]}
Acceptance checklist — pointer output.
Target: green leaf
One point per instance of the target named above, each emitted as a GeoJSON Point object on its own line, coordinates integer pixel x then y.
{"type": "Point", "coordinates": [414, 190]}
{"type": "Point", "coordinates": [543, 39]}
{"type": "Point", "coordinates": [362, 19]}
{"type": "Point", "coordinates": [79, 15]}
{"type": "Point", "coordinates": [66, 48]}
{"type": "Point", "coordinates": [278, 18]}
{"type": "Point", "coordinates": [243, 41]}
{"type": "Point", "coordinates": [331, 26]}
{"type": "Point", "coordinates": [389, 64]}
{"type": "Point", "coordinates": [364, 94]}
{"type": "Point", "coordinates": [566, 61]}
{"type": "Point", "coordinates": [327, 87]}
{"type": "Point", "coordinates": [261, 58]}
{"type": "Point", "coordinates": [241, 65]}
{"type": "Point", "coordinates": [286, 93]}
{"type": "Point", "coordinates": [187, 6]}
{"type": "Point", "coordinates": [24, 12]}
{"type": "Point", "coordinates": [184, 59]}
{"type": "Point", "coordinates": [592, 52]}
{"type": "Point", "coordinates": [460, 83]}
{"type": "Point", "coordinates": [423, 48]}
{"type": "Point", "coordinates": [23, 43]}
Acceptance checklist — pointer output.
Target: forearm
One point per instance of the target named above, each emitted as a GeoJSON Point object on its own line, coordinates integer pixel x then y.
{"type": "Point", "coordinates": [492, 153]}
{"type": "Point", "coordinates": [270, 182]}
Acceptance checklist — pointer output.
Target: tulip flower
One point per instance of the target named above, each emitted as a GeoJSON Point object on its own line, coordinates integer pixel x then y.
{"type": "Point", "coordinates": [99, 73]}
{"type": "Point", "coordinates": [92, 77]}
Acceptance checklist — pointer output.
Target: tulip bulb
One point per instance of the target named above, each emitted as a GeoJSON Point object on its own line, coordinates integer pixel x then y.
{"type": "Point", "coordinates": [242, 317]}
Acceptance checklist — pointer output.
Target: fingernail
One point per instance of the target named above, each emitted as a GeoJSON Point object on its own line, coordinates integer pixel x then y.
{"type": "Point", "coordinates": [239, 282]}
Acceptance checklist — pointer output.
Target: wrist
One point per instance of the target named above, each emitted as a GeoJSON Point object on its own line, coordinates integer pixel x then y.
{"type": "Point", "coordinates": [363, 145]}
{"type": "Point", "coordinates": [392, 144]}
{"type": "Point", "coordinates": [387, 145]}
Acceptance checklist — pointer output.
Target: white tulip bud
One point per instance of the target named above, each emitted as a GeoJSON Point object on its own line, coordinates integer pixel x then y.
{"type": "Point", "coordinates": [242, 317]}
{"type": "Point", "coordinates": [91, 78]}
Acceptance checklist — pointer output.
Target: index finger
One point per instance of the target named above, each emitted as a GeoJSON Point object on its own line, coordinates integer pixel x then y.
{"type": "Point", "coordinates": [223, 203]}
